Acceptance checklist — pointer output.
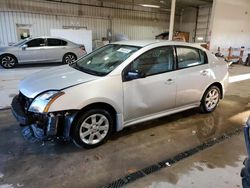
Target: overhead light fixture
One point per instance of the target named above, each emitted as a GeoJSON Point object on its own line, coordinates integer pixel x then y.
{"type": "Point", "coordinates": [150, 6]}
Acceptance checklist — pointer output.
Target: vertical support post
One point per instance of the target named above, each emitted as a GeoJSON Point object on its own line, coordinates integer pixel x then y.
{"type": "Point", "coordinates": [241, 55]}
{"type": "Point", "coordinates": [171, 26]}
{"type": "Point", "coordinates": [196, 24]}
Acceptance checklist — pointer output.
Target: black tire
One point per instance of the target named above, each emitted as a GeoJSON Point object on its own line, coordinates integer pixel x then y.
{"type": "Point", "coordinates": [204, 106]}
{"type": "Point", "coordinates": [85, 117]}
{"type": "Point", "coordinates": [69, 58]}
{"type": "Point", "coordinates": [8, 61]}
{"type": "Point", "coordinates": [245, 174]}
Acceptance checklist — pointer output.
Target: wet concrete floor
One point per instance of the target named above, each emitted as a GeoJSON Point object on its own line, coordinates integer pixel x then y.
{"type": "Point", "coordinates": [59, 164]}
{"type": "Point", "coordinates": [216, 167]}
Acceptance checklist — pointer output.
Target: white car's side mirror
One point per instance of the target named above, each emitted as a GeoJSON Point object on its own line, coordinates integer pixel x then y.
{"type": "Point", "coordinates": [131, 75]}
{"type": "Point", "coordinates": [24, 46]}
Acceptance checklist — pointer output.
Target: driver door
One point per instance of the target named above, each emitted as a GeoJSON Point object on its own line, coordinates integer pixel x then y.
{"type": "Point", "coordinates": [154, 90]}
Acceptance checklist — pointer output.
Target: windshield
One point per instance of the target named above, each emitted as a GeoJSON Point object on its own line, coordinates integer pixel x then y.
{"type": "Point", "coordinates": [104, 60]}
{"type": "Point", "coordinates": [20, 42]}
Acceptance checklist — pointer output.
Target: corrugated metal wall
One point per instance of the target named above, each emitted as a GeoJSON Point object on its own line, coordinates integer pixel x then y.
{"type": "Point", "coordinates": [202, 30]}
{"type": "Point", "coordinates": [43, 15]}
{"type": "Point", "coordinates": [40, 24]}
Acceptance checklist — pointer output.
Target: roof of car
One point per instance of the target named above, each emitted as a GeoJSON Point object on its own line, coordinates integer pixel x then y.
{"type": "Point", "coordinates": [48, 37]}
{"type": "Point", "coordinates": [52, 37]}
{"type": "Point", "coordinates": [143, 43]}
{"type": "Point", "coordinates": [140, 43]}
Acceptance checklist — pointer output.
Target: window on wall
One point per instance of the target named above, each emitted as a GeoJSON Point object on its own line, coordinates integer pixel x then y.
{"type": "Point", "coordinates": [156, 61]}
{"type": "Point", "coordinates": [189, 57]}
{"type": "Point", "coordinates": [36, 43]}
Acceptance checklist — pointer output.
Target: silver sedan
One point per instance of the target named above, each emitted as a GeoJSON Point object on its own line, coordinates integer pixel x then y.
{"type": "Point", "coordinates": [40, 50]}
{"type": "Point", "coordinates": [119, 85]}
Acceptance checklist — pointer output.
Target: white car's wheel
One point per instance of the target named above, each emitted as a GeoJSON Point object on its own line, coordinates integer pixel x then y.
{"type": "Point", "coordinates": [69, 58]}
{"type": "Point", "coordinates": [93, 128]}
{"type": "Point", "coordinates": [8, 61]}
{"type": "Point", "coordinates": [210, 99]}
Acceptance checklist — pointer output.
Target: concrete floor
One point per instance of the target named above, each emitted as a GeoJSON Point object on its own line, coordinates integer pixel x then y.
{"type": "Point", "coordinates": [218, 167]}
{"type": "Point", "coordinates": [59, 164]}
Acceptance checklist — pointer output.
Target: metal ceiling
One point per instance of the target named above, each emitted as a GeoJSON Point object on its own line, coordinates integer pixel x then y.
{"type": "Point", "coordinates": [164, 5]}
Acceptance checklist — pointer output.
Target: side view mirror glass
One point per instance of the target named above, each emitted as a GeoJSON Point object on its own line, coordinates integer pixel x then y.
{"type": "Point", "coordinates": [24, 46]}
{"type": "Point", "coordinates": [131, 75]}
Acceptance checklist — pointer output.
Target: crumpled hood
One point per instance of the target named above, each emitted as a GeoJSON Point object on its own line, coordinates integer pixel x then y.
{"type": "Point", "coordinates": [56, 78]}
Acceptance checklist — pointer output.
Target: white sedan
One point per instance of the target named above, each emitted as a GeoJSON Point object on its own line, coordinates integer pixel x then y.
{"type": "Point", "coordinates": [119, 85]}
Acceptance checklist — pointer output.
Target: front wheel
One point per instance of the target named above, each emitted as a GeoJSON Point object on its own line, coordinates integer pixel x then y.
{"type": "Point", "coordinates": [8, 61]}
{"type": "Point", "coordinates": [92, 129]}
{"type": "Point", "coordinates": [210, 99]}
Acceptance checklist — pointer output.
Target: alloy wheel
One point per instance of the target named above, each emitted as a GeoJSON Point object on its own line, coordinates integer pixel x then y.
{"type": "Point", "coordinates": [94, 129]}
{"type": "Point", "coordinates": [8, 61]}
{"type": "Point", "coordinates": [212, 99]}
{"type": "Point", "coordinates": [69, 59]}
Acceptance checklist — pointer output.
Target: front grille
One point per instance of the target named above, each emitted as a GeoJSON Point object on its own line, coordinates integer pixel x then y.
{"type": "Point", "coordinates": [24, 101]}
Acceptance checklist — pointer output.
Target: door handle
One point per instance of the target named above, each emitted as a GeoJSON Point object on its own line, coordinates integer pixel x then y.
{"type": "Point", "coordinates": [169, 81]}
{"type": "Point", "coordinates": [204, 72]}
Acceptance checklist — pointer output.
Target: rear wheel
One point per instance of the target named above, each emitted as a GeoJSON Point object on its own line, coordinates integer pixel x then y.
{"type": "Point", "coordinates": [93, 128]}
{"type": "Point", "coordinates": [69, 58]}
{"type": "Point", "coordinates": [8, 61]}
{"type": "Point", "coordinates": [210, 99]}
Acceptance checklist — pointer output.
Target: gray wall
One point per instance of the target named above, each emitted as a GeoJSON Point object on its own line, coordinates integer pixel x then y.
{"type": "Point", "coordinates": [41, 16]}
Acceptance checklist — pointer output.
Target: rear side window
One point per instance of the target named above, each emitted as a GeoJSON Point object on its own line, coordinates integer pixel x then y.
{"type": "Point", "coordinates": [63, 42]}
{"type": "Point", "coordinates": [203, 56]}
{"type": "Point", "coordinates": [36, 43]}
{"type": "Point", "coordinates": [189, 57]}
{"type": "Point", "coordinates": [56, 42]}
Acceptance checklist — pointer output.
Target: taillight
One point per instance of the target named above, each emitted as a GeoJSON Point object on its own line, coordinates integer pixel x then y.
{"type": "Point", "coordinates": [82, 48]}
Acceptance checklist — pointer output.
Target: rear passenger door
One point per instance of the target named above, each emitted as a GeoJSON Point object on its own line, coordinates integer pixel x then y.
{"type": "Point", "coordinates": [55, 49]}
{"type": "Point", "coordinates": [193, 75]}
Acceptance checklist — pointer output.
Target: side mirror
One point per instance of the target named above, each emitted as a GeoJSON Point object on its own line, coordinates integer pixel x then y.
{"type": "Point", "coordinates": [131, 75]}
{"type": "Point", "coordinates": [24, 46]}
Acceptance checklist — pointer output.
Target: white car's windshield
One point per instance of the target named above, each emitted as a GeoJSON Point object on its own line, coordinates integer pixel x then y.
{"type": "Point", "coordinates": [103, 60]}
{"type": "Point", "coordinates": [20, 42]}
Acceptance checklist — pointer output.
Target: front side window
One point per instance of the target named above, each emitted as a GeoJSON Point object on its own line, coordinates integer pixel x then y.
{"type": "Point", "coordinates": [36, 43]}
{"type": "Point", "coordinates": [104, 60]}
{"type": "Point", "coordinates": [189, 57]}
{"type": "Point", "coordinates": [156, 61]}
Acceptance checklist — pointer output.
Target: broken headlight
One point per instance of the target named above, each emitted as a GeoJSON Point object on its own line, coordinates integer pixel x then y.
{"type": "Point", "coordinates": [43, 101]}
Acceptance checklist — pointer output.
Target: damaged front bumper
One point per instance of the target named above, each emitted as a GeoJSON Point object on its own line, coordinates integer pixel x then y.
{"type": "Point", "coordinates": [53, 124]}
